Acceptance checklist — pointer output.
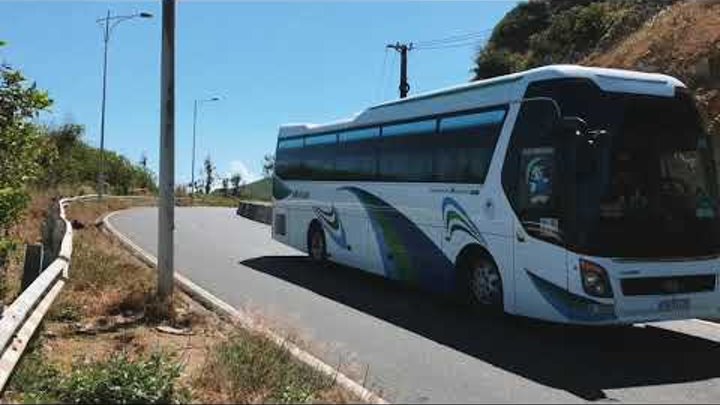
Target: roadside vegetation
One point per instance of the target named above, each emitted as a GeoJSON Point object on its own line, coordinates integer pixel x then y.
{"type": "Point", "coordinates": [102, 341]}
{"type": "Point", "coordinates": [39, 162]}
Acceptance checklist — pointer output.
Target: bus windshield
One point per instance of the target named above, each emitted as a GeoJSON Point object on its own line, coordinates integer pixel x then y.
{"type": "Point", "coordinates": [645, 183]}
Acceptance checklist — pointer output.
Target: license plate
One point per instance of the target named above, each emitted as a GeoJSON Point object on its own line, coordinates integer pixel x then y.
{"type": "Point", "coordinates": [674, 305]}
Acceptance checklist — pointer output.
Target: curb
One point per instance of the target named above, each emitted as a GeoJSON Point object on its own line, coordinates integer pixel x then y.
{"type": "Point", "coordinates": [219, 306]}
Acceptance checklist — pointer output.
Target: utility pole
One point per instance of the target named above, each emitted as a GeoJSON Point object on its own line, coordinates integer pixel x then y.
{"type": "Point", "coordinates": [403, 50]}
{"type": "Point", "coordinates": [166, 215]}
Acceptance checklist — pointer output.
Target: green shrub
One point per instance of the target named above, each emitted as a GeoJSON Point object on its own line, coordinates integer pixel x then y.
{"type": "Point", "coordinates": [513, 32]}
{"type": "Point", "coordinates": [67, 312]}
{"type": "Point", "coordinates": [118, 380]}
{"type": "Point", "coordinates": [493, 62]}
{"type": "Point", "coordinates": [150, 380]}
{"type": "Point", "coordinates": [35, 378]}
{"type": "Point", "coordinates": [573, 33]}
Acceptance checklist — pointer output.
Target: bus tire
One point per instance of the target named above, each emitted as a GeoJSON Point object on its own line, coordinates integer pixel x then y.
{"type": "Point", "coordinates": [316, 247]}
{"type": "Point", "coordinates": [481, 281]}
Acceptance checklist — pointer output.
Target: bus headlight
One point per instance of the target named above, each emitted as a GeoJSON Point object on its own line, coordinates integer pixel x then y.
{"type": "Point", "coordinates": [595, 280]}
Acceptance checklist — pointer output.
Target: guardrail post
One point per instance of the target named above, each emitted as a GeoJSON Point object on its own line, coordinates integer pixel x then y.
{"type": "Point", "coordinates": [33, 264]}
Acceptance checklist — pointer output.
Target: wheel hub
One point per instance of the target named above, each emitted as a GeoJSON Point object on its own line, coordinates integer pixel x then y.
{"type": "Point", "coordinates": [485, 283]}
{"type": "Point", "coordinates": [316, 246]}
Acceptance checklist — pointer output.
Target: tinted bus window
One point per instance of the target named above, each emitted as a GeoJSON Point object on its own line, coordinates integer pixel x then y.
{"type": "Point", "coordinates": [406, 152]}
{"type": "Point", "coordinates": [410, 128]}
{"type": "Point", "coordinates": [465, 146]}
{"type": "Point", "coordinates": [320, 139]}
{"type": "Point", "coordinates": [356, 157]}
{"type": "Point", "coordinates": [290, 143]}
{"type": "Point", "coordinates": [469, 121]}
{"type": "Point", "coordinates": [359, 134]}
{"type": "Point", "coordinates": [288, 163]}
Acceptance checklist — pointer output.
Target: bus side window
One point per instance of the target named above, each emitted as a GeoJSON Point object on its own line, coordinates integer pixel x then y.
{"type": "Point", "coordinates": [356, 155]}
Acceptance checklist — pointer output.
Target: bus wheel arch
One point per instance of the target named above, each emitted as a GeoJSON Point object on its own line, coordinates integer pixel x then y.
{"type": "Point", "coordinates": [479, 280]}
{"type": "Point", "coordinates": [316, 242]}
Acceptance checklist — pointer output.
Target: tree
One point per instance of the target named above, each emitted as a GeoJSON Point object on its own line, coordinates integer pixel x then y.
{"type": "Point", "coordinates": [62, 142]}
{"type": "Point", "coordinates": [21, 146]}
{"type": "Point", "coordinates": [225, 182]}
{"type": "Point", "coordinates": [492, 62]}
{"type": "Point", "coordinates": [143, 161]}
{"type": "Point", "coordinates": [268, 164]}
{"type": "Point", "coordinates": [236, 179]}
{"type": "Point", "coordinates": [209, 174]}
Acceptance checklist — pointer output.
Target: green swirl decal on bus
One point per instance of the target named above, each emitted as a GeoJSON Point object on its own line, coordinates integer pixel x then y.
{"type": "Point", "coordinates": [457, 220]}
{"type": "Point", "coordinates": [331, 222]}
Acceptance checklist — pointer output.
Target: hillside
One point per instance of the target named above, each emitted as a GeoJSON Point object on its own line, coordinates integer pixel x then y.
{"type": "Point", "coordinates": [680, 38]}
{"type": "Point", "coordinates": [683, 41]}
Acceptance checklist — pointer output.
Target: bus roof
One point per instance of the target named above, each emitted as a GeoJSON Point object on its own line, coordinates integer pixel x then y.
{"type": "Point", "coordinates": [493, 91]}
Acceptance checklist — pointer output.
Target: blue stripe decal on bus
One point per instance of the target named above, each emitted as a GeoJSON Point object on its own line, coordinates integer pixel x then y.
{"type": "Point", "coordinates": [572, 306]}
{"type": "Point", "coordinates": [407, 252]}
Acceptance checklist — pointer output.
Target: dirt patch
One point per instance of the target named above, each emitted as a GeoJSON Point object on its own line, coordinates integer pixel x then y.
{"type": "Point", "coordinates": [674, 42]}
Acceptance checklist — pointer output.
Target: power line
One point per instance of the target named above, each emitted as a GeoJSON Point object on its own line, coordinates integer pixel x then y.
{"type": "Point", "coordinates": [454, 38]}
{"type": "Point", "coordinates": [451, 41]}
{"type": "Point", "coordinates": [448, 46]}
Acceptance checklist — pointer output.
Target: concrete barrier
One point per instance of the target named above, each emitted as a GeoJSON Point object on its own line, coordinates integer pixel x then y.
{"type": "Point", "coordinates": [256, 211]}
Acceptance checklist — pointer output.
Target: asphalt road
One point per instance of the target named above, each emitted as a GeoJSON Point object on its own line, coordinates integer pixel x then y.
{"type": "Point", "coordinates": [415, 347]}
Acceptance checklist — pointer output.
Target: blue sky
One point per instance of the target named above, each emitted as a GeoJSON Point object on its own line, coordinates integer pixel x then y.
{"type": "Point", "coordinates": [271, 63]}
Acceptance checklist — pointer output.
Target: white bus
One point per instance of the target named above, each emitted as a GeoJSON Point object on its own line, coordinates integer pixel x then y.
{"type": "Point", "coordinates": [564, 193]}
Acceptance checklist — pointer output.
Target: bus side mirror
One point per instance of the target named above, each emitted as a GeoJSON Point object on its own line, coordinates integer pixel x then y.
{"type": "Point", "coordinates": [574, 126]}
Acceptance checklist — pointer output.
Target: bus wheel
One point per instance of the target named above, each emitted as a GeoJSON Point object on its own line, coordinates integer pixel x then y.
{"type": "Point", "coordinates": [316, 244]}
{"type": "Point", "coordinates": [485, 283]}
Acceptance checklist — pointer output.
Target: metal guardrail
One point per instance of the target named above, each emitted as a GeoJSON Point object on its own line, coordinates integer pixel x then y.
{"type": "Point", "coordinates": [23, 316]}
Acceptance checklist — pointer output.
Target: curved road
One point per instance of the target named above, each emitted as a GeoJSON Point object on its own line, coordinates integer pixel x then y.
{"type": "Point", "coordinates": [413, 347]}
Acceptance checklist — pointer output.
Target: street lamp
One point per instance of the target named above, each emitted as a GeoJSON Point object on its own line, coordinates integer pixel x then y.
{"type": "Point", "coordinates": [109, 22]}
{"type": "Point", "coordinates": [195, 110]}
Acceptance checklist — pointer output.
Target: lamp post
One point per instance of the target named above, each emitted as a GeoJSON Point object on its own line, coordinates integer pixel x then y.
{"type": "Point", "coordinates": [195, 111]}
{"type": "Point", "coordinates": [109, 23]}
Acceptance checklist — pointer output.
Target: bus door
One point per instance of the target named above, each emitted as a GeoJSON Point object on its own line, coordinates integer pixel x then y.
{"type": "Point", "coordinates": [532, 182]}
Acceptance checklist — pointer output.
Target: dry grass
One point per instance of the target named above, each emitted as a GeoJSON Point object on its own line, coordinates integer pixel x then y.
{"type": "Point", "coordinates": [27, 231]}
{"type": "Point", "coordinates": [248, 368]}
{"type": "Point", "coordinates": [107, 310]}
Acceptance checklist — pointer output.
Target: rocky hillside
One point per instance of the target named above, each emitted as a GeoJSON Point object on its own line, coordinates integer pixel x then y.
{"type": "Point", "coordinates": [681, 38]}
